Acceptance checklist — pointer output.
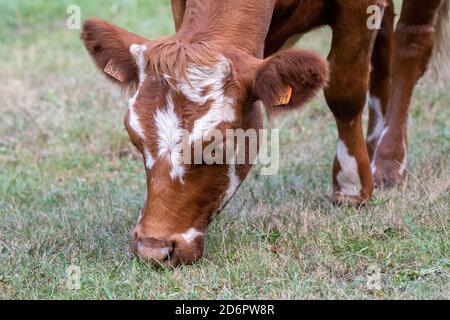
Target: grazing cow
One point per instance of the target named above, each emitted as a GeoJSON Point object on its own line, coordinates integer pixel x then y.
{"type": "Point", "coordinates": [212, 74]}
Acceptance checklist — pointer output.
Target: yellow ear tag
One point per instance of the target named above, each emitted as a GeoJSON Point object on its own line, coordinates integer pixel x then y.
{"type": "Point", "coordinates": [113, 71]}
{"type": "Point", "coordinates": [286, 98]}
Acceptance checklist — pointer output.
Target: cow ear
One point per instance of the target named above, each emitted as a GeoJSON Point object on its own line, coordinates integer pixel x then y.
{"type": "Point", "coordinates": [289, 79]}
{"type": "Point", "coordinates": [109, 47]}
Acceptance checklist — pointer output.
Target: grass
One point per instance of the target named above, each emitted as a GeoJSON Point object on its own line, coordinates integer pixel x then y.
{"type": "Point", "coordinates": [71, 186]}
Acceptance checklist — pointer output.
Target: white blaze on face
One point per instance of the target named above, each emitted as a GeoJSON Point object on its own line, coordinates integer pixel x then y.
{"type": "Point", "coordinates": [206, 84]}
{"type": "Point", "coordinates": [133, 119]}
{"type": "Point", "coordinates": [191, 235]}
{"type": "Point", "coordinates": [170, 135]}
{"type": "Point", "coordinates": [375, 106]}
{"type": "Point", "coordinates": [348, 177]}
{"type": "Point", "coordinates": [138, 52]}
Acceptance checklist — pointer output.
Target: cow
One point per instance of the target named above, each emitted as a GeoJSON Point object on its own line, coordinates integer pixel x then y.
{"type": "Point", "coordinates": [224, 60]}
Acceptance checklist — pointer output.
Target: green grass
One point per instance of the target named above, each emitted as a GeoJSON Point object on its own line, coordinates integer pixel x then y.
{"type": "Point", "coordinates": [71, 186]}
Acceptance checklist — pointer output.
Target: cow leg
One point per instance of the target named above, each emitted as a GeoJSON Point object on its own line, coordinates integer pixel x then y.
{"type": "Point", "coordinates": [346, 96]}
{"type": "Point", "coordinates": [414, 40]}
{"type": "Point", "coordinates": [178, 10]}
{"type": "Point", "coordinates": [379, 79]}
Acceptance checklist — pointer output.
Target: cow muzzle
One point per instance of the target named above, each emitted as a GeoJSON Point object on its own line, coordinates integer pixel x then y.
{"type": "Point", "coordinates": [167, 252]}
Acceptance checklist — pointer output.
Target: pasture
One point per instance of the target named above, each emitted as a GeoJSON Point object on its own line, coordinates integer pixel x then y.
{"type": "Point", "coordinates": [71, 186]}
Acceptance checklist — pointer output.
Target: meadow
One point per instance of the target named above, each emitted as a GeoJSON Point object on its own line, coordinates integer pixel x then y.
{"type": "Point", "coordinates": [71, 186]}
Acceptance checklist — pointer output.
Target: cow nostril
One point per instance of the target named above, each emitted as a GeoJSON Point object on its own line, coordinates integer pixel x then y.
{"type": "Point", "coordinates": [153, 250]}
{"type": "Point", "coordinates": [170, 253]}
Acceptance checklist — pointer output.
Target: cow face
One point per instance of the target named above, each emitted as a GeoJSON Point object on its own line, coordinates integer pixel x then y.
{"type": "Point", "coordinates": [185, 94]}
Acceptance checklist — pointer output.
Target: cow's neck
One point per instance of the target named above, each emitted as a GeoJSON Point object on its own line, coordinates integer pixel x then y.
{"type": "Point", "coordinates": [242, 24]}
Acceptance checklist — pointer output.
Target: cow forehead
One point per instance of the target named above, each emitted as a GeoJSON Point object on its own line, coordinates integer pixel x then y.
{"type": "Point", "coordinates": [202, 85]}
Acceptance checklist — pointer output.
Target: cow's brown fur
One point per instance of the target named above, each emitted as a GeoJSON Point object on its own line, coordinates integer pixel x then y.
{"type": "Point", "coordinates": [171, 56]}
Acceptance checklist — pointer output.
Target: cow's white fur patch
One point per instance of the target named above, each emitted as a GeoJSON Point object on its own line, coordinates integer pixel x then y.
{"type": "Point", "coordinates": [348, 177]}
{"type": "Point", "coordinates": [404, 162]}
{"type": "Point", "coordinates": [149, 161]}
{"type": "Point", "coordinates": [170, 135]}
{"type": "Point", "coordinates": [191, 235]}
{"type": "Point", "coordinates": [133, 119]}
{"type": "Point", "coordinates": [383, 134]}
{"type": "Point", "coordinates": [375, 105]}
{"type": "Point", "coordinates": [203, 77]}
{"type": "Point", "coordinates": [220, 111]}
{"type": "Point", "coordinates": [206, 84]}
{"type": "Point", "coordinates": [138, 54]}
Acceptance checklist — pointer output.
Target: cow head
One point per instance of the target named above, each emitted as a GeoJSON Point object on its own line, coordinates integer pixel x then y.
{"type": "Point", "coordinates": [183, 91]}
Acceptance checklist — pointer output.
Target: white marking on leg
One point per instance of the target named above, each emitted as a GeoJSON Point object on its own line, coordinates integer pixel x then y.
{"type": "Point", "coordinates": [348, 177]}
{"type": "Point", "coordinates": [170, 136]}
{"type": "Point", "coordinates": [191, 235]}
{"type": "Point", "coordinates": [375, 105]}
{"type": "Point", "coordinates": [403, 166]}
{"type": "Point", "coordinates": [383, 134]}
{"type": "Point", "coordinates": [404, 162]}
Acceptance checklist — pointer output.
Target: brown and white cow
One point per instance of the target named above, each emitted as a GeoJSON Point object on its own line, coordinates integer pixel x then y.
{"type": "Point", "coordinates": [212, 74]}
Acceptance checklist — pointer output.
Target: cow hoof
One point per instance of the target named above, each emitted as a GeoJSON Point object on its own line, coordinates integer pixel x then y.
{"type": "Point", "coordinates": [387, 182]}
{"type": "Point", "coordinates": [341, 200]}
{"type": "Point", "coordinates": [388, 175]}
